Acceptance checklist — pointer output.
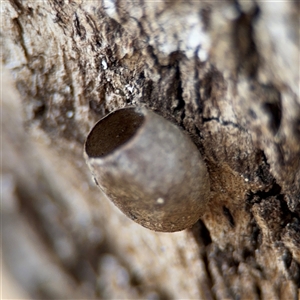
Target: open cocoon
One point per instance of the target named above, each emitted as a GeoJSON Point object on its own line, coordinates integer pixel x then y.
{"type": "Point", "coordinates": [149, 168]}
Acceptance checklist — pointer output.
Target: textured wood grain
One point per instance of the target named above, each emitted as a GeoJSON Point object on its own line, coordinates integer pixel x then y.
{"type": "Point", "coordinates": [228, 74]}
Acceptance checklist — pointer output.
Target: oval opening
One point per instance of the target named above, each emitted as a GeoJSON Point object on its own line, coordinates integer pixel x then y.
{"type": "Point", "coordinates": [113, 131]}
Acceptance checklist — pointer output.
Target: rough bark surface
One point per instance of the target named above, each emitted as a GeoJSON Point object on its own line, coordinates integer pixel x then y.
{"type": "Point", "coordinates": [225, 72]}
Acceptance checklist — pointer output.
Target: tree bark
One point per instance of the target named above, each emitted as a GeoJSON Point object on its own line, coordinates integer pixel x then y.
{"type": "Point", "coordinates": [226, 72]}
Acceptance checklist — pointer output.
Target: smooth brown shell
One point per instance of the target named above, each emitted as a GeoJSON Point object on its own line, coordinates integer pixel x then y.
{"type": "Point", "coordinates": [149, 168]}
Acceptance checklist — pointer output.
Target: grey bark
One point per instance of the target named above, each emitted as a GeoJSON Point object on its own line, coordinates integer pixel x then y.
{"type": "Point", "coordinates": [226, 73]}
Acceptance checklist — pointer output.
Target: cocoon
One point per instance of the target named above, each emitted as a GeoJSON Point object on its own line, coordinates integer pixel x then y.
{"type": "Point", "coordinates": [149, 168]}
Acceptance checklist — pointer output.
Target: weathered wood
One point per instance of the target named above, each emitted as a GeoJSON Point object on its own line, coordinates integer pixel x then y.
{"type": "Point", "coordinates": [228, 74]}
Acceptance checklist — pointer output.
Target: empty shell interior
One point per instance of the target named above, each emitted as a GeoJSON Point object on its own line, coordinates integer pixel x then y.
{"type": "Point", "coordinates": [113, 131]}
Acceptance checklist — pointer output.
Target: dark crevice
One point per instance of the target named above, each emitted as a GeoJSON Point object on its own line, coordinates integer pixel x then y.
{"type": "Point", "coordinates": [39, 111]}
{"type": "Point", "coordinates": [288, 215]}
{"type": "Point", "coordinates": [264, 158]}
{"type": "Point", "coordinates": [255, 234]}
{"type": "Point", "coordinates": [147, 89]}
{"type": "Point", "coordinates": [274, 109]}
{"type": "Point", "coordinates": [198, 99]}
{"type": "Point", "coordinates": [256, 197]}
{"type": "Point", "coordinates": [142, 31]}
{"type": "Point", "coordinates": [150, 51]}
{"type": "Point", "coordinates": [229, 216]}
{"type": "Point", "coordinates": [202, 234]}
{"type": "Point", "coordinates": [207, 83]}
{"type": "Point", "coordinates": [263, 171]}
{"type": "Point", "coordinates": [181, 103]}
{"type": "Point", "coordinates": [17, 5]}
{"type": "Point", "coordinates": [224, 123]}
{"type": "Point", "coordinates": [210, 119]}
{"type": "Point", "coordinates": [175, 57]}
{"type": "Point", "coordinates": [141, 76]}
{"type": "Point", "coordinates": [77, 25]}
{"type": "Point", "coordinates": [198, 134]}
{"type": "Point", "coordinates": [97, 38]}
{"type": "Point", "coordinates": [258, 291]}
{"type": "Point", "coordinates": [287, 258]}
{"type": "Point", "coordinates": [274, 191]}
{"type": "Point", "coordinates": [246, 254]}
{"type": "Point", "coordinates": [247, 55]}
